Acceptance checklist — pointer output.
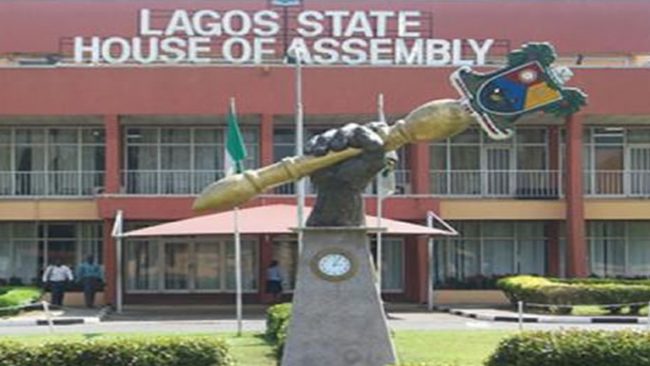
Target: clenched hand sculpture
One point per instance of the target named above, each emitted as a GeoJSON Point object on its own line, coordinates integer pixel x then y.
{"type": "Point", "coordinates": [348, 158]}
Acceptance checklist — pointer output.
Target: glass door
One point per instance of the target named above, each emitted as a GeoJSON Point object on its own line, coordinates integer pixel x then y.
{"type": "Point", "coordinates": [498, 171]}
{"type": "Point", "coordinates": [207, 257]}
{"type": "Point", "coordinates": [639, 179]}
{"type": "Point", "coordinates": [177, 266]}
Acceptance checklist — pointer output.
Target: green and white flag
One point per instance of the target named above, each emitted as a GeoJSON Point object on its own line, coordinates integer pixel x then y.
{"type": "Point", "coordinates": [235, 148]}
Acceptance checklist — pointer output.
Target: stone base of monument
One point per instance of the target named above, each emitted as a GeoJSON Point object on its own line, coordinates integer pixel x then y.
{"type": "Point", "coordinates": [338, 318]}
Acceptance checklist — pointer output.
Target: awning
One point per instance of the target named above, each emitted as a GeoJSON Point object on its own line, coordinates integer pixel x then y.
{"type": "Point", "coordinates": [271, 219]}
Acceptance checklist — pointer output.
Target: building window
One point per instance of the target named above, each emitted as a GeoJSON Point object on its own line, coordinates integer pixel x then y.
{"type": "Point", "coordinates": [142, 265]}
{"type": "Point", "coordinates": [26, 248]}
{"type": "Point", "coordinates": [619, 248]}
{"type": "Point", "coordinates": [471, 164]}
{"type": "Point", "coordinates": [169, 160]}
{"type": "Point", "coordinates": [617, 161]}
{"type": "Point", "coordinates": [638, 249]}
{"type": "Point", "coordinates": [167, 265]}
{"type": "Point", "coordinates": [285, 251]}
{"type": "Point", "coordinates": [392, 262]}
{"type": "Point", "coordinates": [39, 161]}
{"type": "Point", "coordinates": [284, 146]}
{"type": "Point", "coordinates": [490, 249]}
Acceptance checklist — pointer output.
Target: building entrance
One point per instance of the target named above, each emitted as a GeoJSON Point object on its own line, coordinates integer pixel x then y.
{"type": "Point", "coordinates": [177, 265]}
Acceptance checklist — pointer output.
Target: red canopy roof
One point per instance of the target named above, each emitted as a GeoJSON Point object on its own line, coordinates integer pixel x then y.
{"type": "Point", "coordinates": [271, 219]}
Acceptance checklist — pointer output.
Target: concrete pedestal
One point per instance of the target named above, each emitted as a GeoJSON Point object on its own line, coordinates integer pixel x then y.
{"type": "Point", "coordinates": [337, 321]}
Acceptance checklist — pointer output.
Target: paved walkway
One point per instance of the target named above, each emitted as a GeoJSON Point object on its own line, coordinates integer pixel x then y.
{"type": "Point", "coordinates": [58, 316]}
{"type": "Point", "coordinates": [191, 324]}
{"type": "Point", "coordinates": [209, 319]}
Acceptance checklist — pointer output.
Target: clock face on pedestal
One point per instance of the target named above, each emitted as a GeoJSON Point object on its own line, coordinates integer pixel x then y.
{"type": "Point", "coordinates": [334, 265]}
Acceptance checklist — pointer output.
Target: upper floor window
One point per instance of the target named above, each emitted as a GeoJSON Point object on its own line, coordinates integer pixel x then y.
{"type": "Point", "coordinates": [179, 160]}
{"type": "Point", "coordinates": [617, 161]}
{"type": "Point", "coordinates": [45, 161]}
{"type": "Point", "coordinates": [471, 164]}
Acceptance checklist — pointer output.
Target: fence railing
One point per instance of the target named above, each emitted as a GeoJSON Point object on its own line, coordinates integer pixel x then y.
{"type": "Point", "coordinates": [541, 184]}
{"type": "Point", "coordinates": [627, 183]}
{"type": "Point", "coordinates": [402, 185]}
{"type": "Point", "coordinates": [169, 181]}
{"type": "Point", "coordinates": [59, 183]}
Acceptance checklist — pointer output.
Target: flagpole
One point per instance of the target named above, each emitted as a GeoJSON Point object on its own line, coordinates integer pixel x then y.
{"type": "Point", "coordinates": [238, 272]}
{"type": "Point", "coordinates": [382, 118]}
{"type": "Point", "coordinates": [300, 184]}
{"type": "Point", "coordinates": [117, 234]}
{"type": "Point", "coordinates": [238, 281]}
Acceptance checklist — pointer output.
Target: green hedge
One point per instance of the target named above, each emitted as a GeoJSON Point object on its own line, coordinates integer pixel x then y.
{"type": "Point", "coordinates": [277, 326]}
{"type": "Point", "coordinates": [574, 348]}
{"type": "Point", "coordinates": [532, 289]}
{"type": "Point", "coordinates": [17, 296]}
{"type": "Point", "coordinates": [156, 351]}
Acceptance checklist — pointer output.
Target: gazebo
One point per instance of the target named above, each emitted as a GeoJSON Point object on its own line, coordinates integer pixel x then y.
{"type": "Point", "coordinates": [190, 260]}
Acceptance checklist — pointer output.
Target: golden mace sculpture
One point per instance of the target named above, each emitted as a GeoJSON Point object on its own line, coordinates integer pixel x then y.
{"type": "Point", "coordinates": [487, 99]}
{"type": "Point", "coordinates": [431, 121]}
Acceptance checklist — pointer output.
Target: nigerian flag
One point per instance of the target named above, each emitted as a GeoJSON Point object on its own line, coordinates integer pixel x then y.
{"type": "Point", "coordinates": [235, 148]}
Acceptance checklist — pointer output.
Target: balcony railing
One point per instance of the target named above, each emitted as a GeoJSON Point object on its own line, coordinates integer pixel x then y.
{"type": "Point", "coordinates": [618, 183]}
{"type": "Point", "coordinates": [533, 184]}
{"type": "Point", "coordinates": [402, 185]}
{"type": "Point", "coordinates": [169, 182]}
{"type": "Point", "coordinates": [60, 183]}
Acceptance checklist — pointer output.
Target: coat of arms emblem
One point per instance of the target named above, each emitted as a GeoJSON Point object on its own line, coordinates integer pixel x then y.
{"type": "Point", "coordinates": [528, 83]}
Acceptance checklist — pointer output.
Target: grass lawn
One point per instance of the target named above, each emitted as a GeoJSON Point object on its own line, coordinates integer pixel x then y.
{"type": "Point", "coordinates": [462, 348]}
{"type": "Point", "coordinates": [587, 310]}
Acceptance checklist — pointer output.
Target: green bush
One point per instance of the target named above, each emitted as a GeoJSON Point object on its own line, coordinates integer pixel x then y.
{"type": "Point", "coordinates": [277, 326]}
{"type": "Point", "coordinates": [17, 296]}
{"type": "Point", "coordinates": [276, 317]}
{"type": "Point", "coordinates": [552, 291]}
{"type": "Point", "coordinates": [574, 348]}
{"type": "Point", "coordinates": [157, 351]}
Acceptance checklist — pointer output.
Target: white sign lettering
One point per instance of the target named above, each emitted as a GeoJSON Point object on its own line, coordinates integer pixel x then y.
{"type": "Point", "coordinates": [376, 37]}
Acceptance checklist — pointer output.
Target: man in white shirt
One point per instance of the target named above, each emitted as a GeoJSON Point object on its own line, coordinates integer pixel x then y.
{"type": "Point", "coordinates": [56, 277]}
{"type": "Point", "coordinates": [274, 279]}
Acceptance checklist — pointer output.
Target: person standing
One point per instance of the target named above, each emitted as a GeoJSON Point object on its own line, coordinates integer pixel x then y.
{"type": "Point", "coordinates": [90, 275]}
{"type": "Point", "coordinates": [56, 277]}
{"type": "Point", "coordinates": [274, 280]}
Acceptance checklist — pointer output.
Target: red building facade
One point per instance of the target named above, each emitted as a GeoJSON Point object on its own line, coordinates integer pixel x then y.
{"type": "Point", "coordinates": [82, 138]}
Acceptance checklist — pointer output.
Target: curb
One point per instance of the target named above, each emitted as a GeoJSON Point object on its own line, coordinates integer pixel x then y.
{"type": "Point", "coordinates": [103, 312]}
{"type": "Point", "coordinates": [546, 318]}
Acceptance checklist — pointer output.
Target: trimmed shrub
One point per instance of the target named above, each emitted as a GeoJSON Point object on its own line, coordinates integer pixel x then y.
{"type": "Point", "coordinates": [552, 291]}
{"type": "Point", "coordinates": [276, 318]}
{"type": "Point", "coordinates": [277, 326]}
{"type": "Point", "coordinates": [574, 348]}
{"type": "Point", "coordinates": [17, 296]}
{"type": "Point", "coordinates": [156, 351]}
